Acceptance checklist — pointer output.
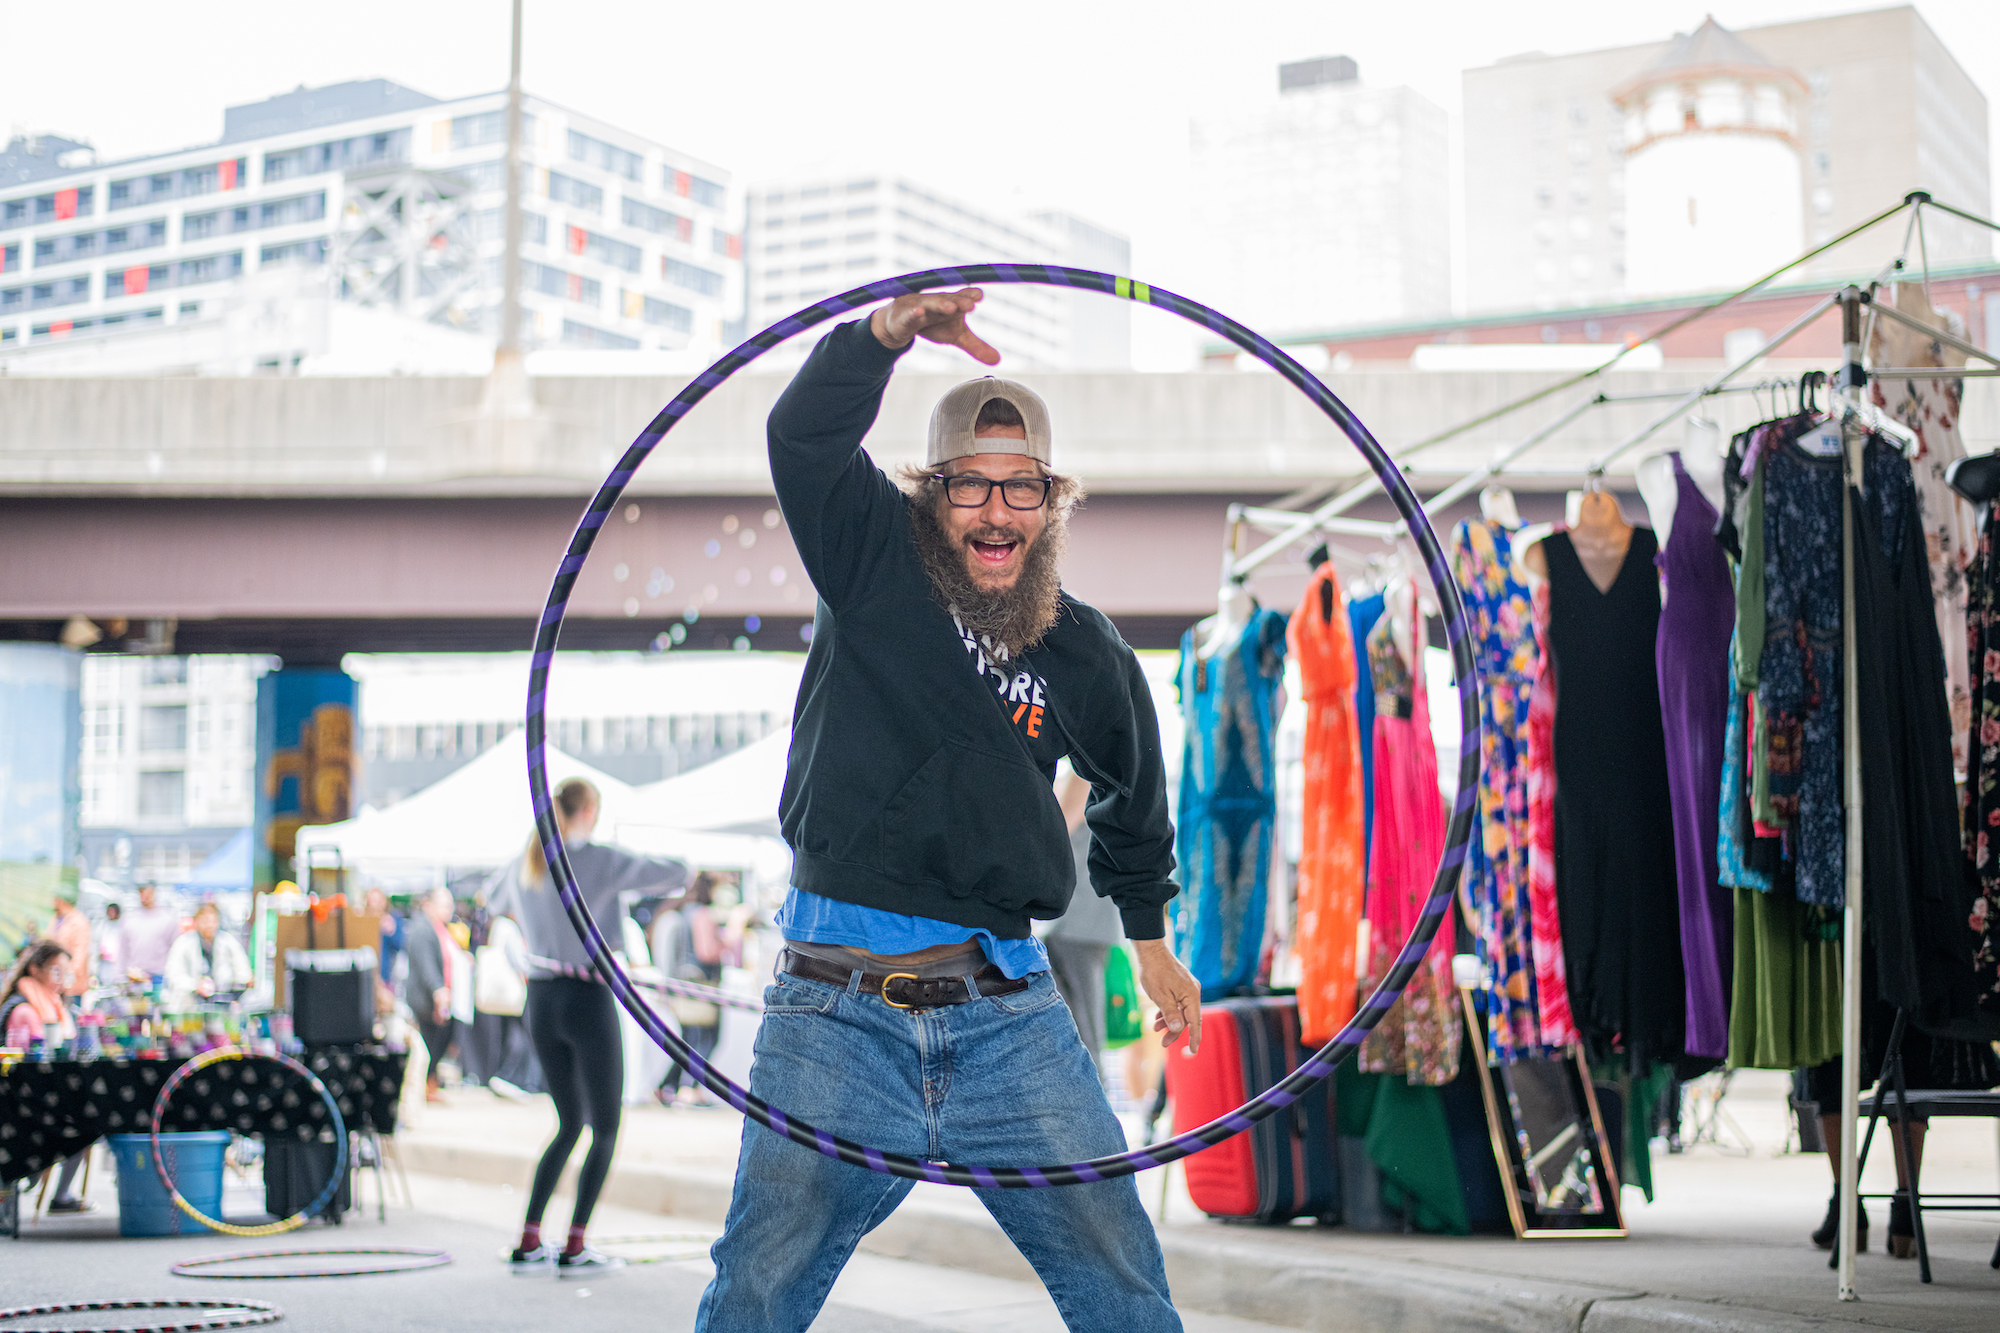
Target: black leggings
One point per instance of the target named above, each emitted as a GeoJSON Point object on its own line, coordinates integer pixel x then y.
{"type": "Point", "coordinates": [574, 1027]}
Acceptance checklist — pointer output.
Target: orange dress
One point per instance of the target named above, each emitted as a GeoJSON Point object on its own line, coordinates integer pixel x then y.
{"type": "Point", "coordinates": [1332, 864]}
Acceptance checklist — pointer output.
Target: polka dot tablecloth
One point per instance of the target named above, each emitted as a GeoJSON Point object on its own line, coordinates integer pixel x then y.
{"type": "Point", "coordinates": [48, 1112]}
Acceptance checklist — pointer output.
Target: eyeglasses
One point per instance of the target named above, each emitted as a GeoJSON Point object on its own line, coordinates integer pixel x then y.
{"type": "Point", "coordinates": [969, 491]}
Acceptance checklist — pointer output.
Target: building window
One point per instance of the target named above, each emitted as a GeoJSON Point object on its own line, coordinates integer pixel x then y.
{"type": "Point", "coordinates": [163, 728]}
{"type": "Point", "coordinates": [659, 221]}
{"type": "Point", "coordinates": [208, 268]}
{"type": "Point", "coordinates": [163, 794]}
{"type": "Point", "coordinates": [42, 295]}
{"type": "Point", "coordinates": [664, 314]}
{"type": "Point", "coordinates": [10, 258]}
{"type": "Point", "coordinates": [691, 276]}
{"type": "Point", "coordinates": [159, 186]}
{"type": "Point", "coordinates": [607, 156]}
{"type": "Point", "coordinates": [867, 212]}
{"type": "Point", "coordinates": [727, 244]}
{"type": "Point", "coordinates": [337, 155]}
{"type": "Point", "coordinates": [55, 206]}
{"type": "Point", "coordinates": [603, 249]}
{"type": "Point", "coordinates": [704, 192]}
{"type": "Point", "coordinates": [858, 187]}
{"type": "Point", "coordinates": [487, 127]}
{"type": "Point", "coordinates": [576, 193]}
{"type": "Point", "coordinates": [551, 281]}
{"type": "Point", "coordinates": [310, 251]}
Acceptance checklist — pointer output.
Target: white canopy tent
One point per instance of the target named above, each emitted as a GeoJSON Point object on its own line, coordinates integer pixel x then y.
{"type": "Point", "coordinates": [478, 819]}
{"type": "Point", "coordinates": [737, 793]}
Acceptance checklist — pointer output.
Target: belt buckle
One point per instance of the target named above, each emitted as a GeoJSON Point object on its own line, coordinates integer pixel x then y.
{"type": "Point", "coordinates": [895, 976]}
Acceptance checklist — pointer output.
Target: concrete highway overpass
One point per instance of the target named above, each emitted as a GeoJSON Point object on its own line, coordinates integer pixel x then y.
{"type": "Point", "coordinates": [313, 517]}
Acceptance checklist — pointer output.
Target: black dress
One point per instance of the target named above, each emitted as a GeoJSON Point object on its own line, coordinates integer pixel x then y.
{"type": "Point", "coordinates": [1615, 882]}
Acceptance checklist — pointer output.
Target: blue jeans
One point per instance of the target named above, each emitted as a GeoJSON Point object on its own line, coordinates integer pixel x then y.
{"type": "Point", "coordinates": [1000, 1081]}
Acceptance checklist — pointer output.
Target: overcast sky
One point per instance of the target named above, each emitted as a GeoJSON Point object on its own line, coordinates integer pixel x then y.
{"type": "Point", "coordinates": [1079, 105]}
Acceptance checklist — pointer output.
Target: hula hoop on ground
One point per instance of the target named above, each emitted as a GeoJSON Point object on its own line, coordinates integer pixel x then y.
{"type": "Point", "coordinates": [702, 1238]}
{"type": "Point", "coordinates": [424, 1258]}
{"type": "Point", "coordinates": [296, 1220]}
{"type": "Point", "coordinates": [252, 1313]}
{"type": "Point", "coordinates": [1280, 1095]}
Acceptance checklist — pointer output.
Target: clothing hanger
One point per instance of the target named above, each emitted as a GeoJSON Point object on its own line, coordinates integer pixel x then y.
{"type": "Point", "coordinates": [1496, 505]}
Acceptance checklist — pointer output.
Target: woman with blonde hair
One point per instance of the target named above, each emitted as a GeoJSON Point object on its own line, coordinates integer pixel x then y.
{"type": "Point", "coordinates": [572, 1017]}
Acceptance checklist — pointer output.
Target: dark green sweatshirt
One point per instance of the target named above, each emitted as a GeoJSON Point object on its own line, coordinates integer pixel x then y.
{"type": "Point", "coordinates": [920, 775]}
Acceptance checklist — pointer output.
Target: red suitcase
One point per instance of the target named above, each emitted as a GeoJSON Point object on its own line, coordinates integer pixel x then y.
{"type": "Point", "coordinates": [1286, 1165]}
{"type": "Point", "coordinates": [1202, 1086]}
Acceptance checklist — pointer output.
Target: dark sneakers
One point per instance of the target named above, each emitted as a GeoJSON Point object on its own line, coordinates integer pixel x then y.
{"type": "Point", "coordinates": [536, 1260]}
{"type": "Point", "coordinates": [586, 1262]}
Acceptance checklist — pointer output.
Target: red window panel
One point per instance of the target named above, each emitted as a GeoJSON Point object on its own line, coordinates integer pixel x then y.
{"type": "Point", "coordinates": [575, 287]}
{"type": "Point", "coordinates": [684, 228]}
{"type": "Point", "coordinates": [736, 247]}
{"type": "Point", "coordinates": [227, 170]}
{"type": "Point", "coordinates": [65, 204]}
{"type": "Point", "coordinates": [61, 328]}
{"type": "Point", "coordinates": [135, 279]}
{"type": "Point", "coordinates": [683, 184]}
{"type": "Point", "coordinates": [578, 237]}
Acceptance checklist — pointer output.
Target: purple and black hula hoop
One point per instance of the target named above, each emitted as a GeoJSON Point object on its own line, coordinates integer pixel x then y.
{"type": "Point", "coordinates": [1284, 1093]}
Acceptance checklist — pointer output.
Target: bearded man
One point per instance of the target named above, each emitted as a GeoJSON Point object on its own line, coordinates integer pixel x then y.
{"type": "Point", "coordinates": [913, 1008]}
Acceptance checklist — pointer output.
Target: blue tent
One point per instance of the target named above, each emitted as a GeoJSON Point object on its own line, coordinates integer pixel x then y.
{"type": "Point", "coordinates": [227, 870]}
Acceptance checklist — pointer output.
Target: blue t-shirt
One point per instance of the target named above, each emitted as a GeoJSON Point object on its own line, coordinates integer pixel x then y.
{"type": "Point", "coordinates": [815, 919]}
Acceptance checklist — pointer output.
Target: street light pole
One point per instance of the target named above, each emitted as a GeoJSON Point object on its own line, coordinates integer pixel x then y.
{"type": "Point", "coordinates": [507, 355]}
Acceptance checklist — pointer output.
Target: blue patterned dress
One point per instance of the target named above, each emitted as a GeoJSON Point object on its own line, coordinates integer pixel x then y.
{"type": "Point", "coordinates": [1228, 803]}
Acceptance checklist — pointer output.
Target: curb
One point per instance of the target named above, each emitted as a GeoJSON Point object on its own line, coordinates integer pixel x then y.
{"type": "Point", "coordinates": [1292, 1287]}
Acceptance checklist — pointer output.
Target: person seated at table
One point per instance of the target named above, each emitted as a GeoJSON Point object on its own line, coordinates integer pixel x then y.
{"type": "Point", "coordinates": [205, 962]}
{"type": "Point", "coordinates": [30, 1004]}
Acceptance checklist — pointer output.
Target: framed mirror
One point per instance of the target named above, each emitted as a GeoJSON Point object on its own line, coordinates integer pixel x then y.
{"type": "Point", "coordinates": [1557, 1169]}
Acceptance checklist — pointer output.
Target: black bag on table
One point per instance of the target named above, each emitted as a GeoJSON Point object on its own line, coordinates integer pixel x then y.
{"type": "Point", "coordinates": [332, 991]}
{"type": "Point", "coordinates": [295, 1173]}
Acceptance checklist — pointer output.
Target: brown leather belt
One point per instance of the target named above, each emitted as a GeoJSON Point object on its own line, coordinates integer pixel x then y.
{"type": "Point", "coordinates": [904, 990]}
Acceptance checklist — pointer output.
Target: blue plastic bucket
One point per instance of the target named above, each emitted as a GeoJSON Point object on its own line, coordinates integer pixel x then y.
{"type": "Point", "coordinates": [193, 1160]}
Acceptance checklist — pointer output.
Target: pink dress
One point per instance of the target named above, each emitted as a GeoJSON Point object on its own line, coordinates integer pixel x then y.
{"type": "Point", "coordinates": [1551, 980]}
{"type": "Point", "coordinates": [1420, 1036]}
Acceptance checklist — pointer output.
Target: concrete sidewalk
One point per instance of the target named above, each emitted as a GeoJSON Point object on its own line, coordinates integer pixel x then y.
{"type": "Point", "coordinates": [1723, 1249]}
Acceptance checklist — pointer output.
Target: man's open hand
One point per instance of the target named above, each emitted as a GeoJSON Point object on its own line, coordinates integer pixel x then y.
{"type": "Point", "coordinates": [1170, 986]}
{"type": "Point", "coordinates": [937, 317]}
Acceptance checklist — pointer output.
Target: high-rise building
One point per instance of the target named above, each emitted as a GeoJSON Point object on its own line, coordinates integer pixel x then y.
{"type": "Point", "coordinates": [169, 752]}
{"type": "Point", "coordinates": [367, 196]}
{"type": "Point", "coordinates": [813, 236]}
{"type": "Point", "coordinates": [1878, 108]}
{"type": "Point", "coordinates": [1328, 207]}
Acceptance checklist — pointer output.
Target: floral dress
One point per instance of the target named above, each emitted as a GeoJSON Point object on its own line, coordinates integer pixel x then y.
{"type": "Point", "coordinates": [1558, 1023]}
{"type": "Point", "coordinates": [1419, 1036]}
{"type": "Point", "coordinates": [1982, 780]}
{"type": "Point", "coordinates": [1508, 657]}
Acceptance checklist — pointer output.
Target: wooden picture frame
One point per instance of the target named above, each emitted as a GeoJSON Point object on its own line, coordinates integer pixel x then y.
{"type": "Point", "coordinates": [1535, 1189]}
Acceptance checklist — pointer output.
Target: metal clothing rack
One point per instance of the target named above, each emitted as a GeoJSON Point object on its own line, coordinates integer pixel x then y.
{"type": "Point", "coordinates": [1286, 527]}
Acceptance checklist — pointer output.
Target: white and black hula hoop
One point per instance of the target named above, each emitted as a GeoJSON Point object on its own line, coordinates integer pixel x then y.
{"type": "Point", "coordinates": [1320, 1064]}
{"type": "Point", "coordinates": [229, 1314]}
{"type": "Point", "coordinates": [207, 1265]}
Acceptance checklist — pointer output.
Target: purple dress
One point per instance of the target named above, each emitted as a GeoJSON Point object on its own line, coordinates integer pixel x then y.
{"type": "Point", "coordinates": [1692, 656]}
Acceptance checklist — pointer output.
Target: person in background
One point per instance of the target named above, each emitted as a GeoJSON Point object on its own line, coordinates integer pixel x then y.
{"type": "Point", "coordinates": [572, 1018]}
{"type": "Point", "coordinates": [206, 961]}
{"type": "Point", "coordinates": [395, 939]}
{"type": "Point", "coordinates": [31, 1004]}
{"type": "Point", "coordinates": [692, 949]}
{"type": "Point", "coordinates": [71, 929]}
{"type": "Point", "coordinates": [111, 946]}
{"type": "Point", "coordinates": [1082, 938]}
{"type": "Point", "coordinates": [435, 957]}
{"type": "Point", "coordinates": [149, 931]}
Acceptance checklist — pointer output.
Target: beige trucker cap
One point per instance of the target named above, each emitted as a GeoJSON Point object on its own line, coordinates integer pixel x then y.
{"type": "Point", "coordinates": [952, 418]}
